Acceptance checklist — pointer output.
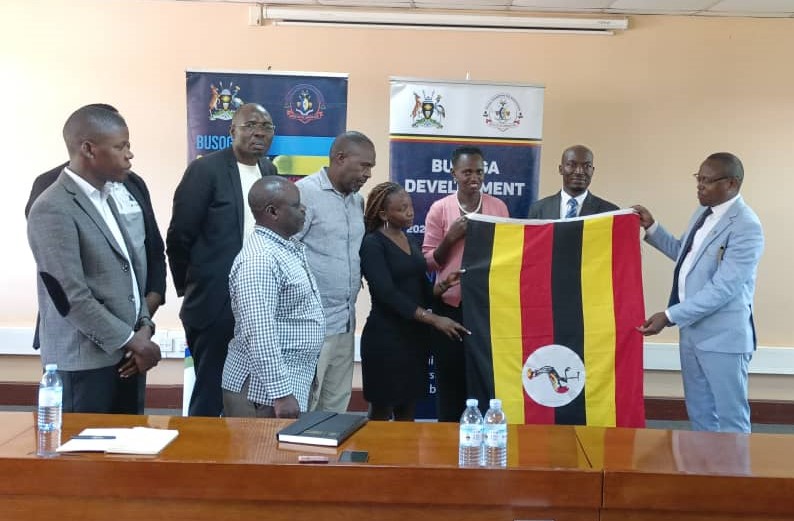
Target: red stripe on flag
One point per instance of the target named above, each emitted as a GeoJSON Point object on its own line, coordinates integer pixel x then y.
{"type": "Point", "coordinates": [629, 313]}
{"type": "Point", "coordinates": [537, 324]}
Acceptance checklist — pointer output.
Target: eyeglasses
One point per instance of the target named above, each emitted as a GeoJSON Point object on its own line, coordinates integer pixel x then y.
{"type": "Point", "coordinates": [572, 166]}
{"type": "Point", "coordinates": [250, 126]}
{"type": "Point", "coordinates": [706, 181]}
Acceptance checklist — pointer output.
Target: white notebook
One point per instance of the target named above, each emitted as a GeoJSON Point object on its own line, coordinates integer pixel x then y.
{"type": "Point", "coordinates": [137, 440]}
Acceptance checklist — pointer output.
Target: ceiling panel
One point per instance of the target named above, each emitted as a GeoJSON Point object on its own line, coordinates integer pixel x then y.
{"type": "Point", "coordinates": [563, 4]}
{"type": "Point", "coordinates": [364, 3]}
{"type": "Point", "coordinates": [463, 4]}
{"type": "Point", "coordinates": [754, 6]}
{"type": "Point", "coordinates": [749, 14]}
{"type": "Point", "coordinates": [662, 5]}
{"type": "Point", "coordinates": [764, 8]}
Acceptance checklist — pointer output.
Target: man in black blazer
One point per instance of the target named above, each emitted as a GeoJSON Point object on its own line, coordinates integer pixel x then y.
{"type": "Point", "coordinates": [154, 287]}
{"type": "Point", "coordinates": [209, 221]}
{"type": "Point", "coordinates": [574, 200]}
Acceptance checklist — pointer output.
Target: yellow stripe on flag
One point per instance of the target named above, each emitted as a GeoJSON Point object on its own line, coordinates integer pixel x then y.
{"type": "Point", "coordinates": [505, 316]}
{"type": "Point", "coordinates": [599, 321]}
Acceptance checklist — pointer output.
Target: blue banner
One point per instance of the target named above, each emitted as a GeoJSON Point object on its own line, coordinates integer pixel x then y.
{"type": "Point", "coordinates": [423, 168]}
{"type": "Point", "coordinates": [309, 111]}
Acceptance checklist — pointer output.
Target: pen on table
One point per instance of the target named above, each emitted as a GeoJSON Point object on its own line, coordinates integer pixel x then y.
{"type": "Point", "coordinates": [92, 437]}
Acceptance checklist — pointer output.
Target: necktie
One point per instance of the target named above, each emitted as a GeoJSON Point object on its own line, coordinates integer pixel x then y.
{"type": "Point", "coordinates": [684, 252]}
{"type": "Point", "coordinates": [572, 206]}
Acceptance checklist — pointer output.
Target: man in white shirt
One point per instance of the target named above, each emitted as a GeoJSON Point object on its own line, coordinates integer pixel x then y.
{"type": "Point", "coordinates": [209, 223]}
{"type": "Point", "coordinates": [94, 323]}
{"type": "Point", "coordinates": [712, 297]}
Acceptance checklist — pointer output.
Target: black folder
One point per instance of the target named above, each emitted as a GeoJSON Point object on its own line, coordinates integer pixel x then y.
{"type": "Point", "coordinates": [322, 428]}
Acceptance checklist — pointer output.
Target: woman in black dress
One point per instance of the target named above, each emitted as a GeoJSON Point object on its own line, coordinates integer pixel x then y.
{"type": "Point", "coordinates": [395, 340]}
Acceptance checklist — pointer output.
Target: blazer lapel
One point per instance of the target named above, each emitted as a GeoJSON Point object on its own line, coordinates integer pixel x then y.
{"type": "Point", "coordinates": [82, 201]}
{"type": "Point", "coordinates": [718, 228]}
{"type": "Point", "coordinates": [588, 206]}
{"type": "Point", "coordinates": [237, 189]}
{"type": "Point", "coordinates": [265, 167]}
{"type": "Point", "coordinates": [554, 207]}
{"type": "Point", "coordinates": [137, 264]}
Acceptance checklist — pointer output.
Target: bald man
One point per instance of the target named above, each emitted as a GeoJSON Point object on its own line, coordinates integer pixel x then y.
{"type": "Point", "coordinates": [94, 321]}
{"type": "Point", "coordinates": [279, 324]}
{"type": "Point", "coordinates": [332, 234]}
{"type": "Point", "coordinates": [575, 199]}
{"type": "Point", "coordinates": [209, 222]}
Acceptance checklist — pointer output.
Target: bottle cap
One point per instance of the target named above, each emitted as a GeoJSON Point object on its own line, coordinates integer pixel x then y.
{"type": "Point", "coordinates": [471, 402]}
{"type": "Point", "coordinates": [51, 367]}
{"type": "Point", "coordinates": [496, 403]}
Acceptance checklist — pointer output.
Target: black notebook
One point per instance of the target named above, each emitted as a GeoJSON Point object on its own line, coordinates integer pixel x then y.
{"type": "Point", "coordinates": [322, 428]}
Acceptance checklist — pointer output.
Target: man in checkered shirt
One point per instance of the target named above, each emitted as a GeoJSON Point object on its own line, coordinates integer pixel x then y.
{"type": "Point", "coordinates": [279, 323]}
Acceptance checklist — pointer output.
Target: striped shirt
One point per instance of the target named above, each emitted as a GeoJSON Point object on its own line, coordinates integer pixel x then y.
{"type": "Point", "coordinates": [279, 325]}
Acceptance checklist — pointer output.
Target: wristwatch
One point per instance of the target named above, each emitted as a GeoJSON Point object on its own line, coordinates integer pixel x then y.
{"type": "Point", "coordinates": [145, 321]}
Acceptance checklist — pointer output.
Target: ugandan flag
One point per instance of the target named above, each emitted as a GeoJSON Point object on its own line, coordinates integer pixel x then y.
{"type": "Point", "coordinates": [553, 308]}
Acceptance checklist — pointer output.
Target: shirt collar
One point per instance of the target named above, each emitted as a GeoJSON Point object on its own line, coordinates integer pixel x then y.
{"type": "Point", "coordinates": [720, 210]}
{"type": "Point", "coordinates": [87, 188]}
{"type": "Point", "coordinates": [579, 198]}
{"type": "Point", "coordinates": [270, 234]}
{"type": "Point", "coordinates": [326, 184]}
{"type": "Point", "coordinates": [325, 181]}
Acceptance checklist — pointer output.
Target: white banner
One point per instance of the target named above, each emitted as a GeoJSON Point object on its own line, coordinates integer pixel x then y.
{"type": "Point", "coordinates": [467, 109]}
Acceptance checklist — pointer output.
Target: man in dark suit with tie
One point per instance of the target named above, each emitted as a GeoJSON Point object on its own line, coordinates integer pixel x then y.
{"type": "Point", "coordinates": [94, 321]}
{"type": "Point", "coordinates": [574, 200]}
{"type": "Point", "coordinates": [712, 297]}
{"type": "Point", "coordinates": [209, 222]}
{"type": "Point", "coordinates": [138, 215]}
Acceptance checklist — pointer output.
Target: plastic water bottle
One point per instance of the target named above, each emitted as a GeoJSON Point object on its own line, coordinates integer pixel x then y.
{"type": "Point", "coordinates": [470, 444]}
{"type": "Point", "coordinates": [48, 443]}
{"type": "Point", "coordinates": [50, 399]}
{"type": "Point", "coordinates": [495, 436]}
{"type": "Point", "coordinates": [50, 411]}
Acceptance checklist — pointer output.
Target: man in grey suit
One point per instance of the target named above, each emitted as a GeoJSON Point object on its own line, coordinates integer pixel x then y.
{"type": "Point", "coordinates": [135, 207]}
{"type": "Point", "coordinates": [712, 297]}
{"type": "Point", "coordinates": [574, 200]}
{"type": "Point", "coordinates": [94, 323]}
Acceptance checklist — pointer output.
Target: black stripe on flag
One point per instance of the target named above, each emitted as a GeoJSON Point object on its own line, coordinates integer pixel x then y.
{"type": "Point", "coordinates": [566, 297]}
{"type": "Point", "coordinates": [475, 288]}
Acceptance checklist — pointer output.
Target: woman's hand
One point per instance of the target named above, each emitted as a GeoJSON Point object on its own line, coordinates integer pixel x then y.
{"type": "Point", "coordinates": [453, 279]}
{"type": "Point", "coordinates": [449, 327]}
{"type": "Point", "coordinates": [457, 230]}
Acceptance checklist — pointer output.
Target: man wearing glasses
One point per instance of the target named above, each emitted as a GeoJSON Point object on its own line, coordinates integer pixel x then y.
{"type": "Point", "coordinates": [712, 297]}
{"type": "Point", "coordinates": [574, 200]}
{"type": "Point", "coordinates": [209, 221]}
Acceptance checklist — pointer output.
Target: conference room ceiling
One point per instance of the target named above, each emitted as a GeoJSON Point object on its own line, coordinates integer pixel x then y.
{"type": "Point", "coordinates": [753, 8]}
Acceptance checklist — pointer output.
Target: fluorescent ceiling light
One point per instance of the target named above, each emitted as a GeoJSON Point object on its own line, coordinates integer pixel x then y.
{"type": "Point", "coordinates": [414, 19]}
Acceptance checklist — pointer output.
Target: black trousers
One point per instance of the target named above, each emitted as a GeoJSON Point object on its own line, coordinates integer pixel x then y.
{"type": "Point", "coordinates": [450, 365]}
{"type": "Point", "coordinates": [208, 346]}
{"type": "Point", "coordinates": [103, 391]}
